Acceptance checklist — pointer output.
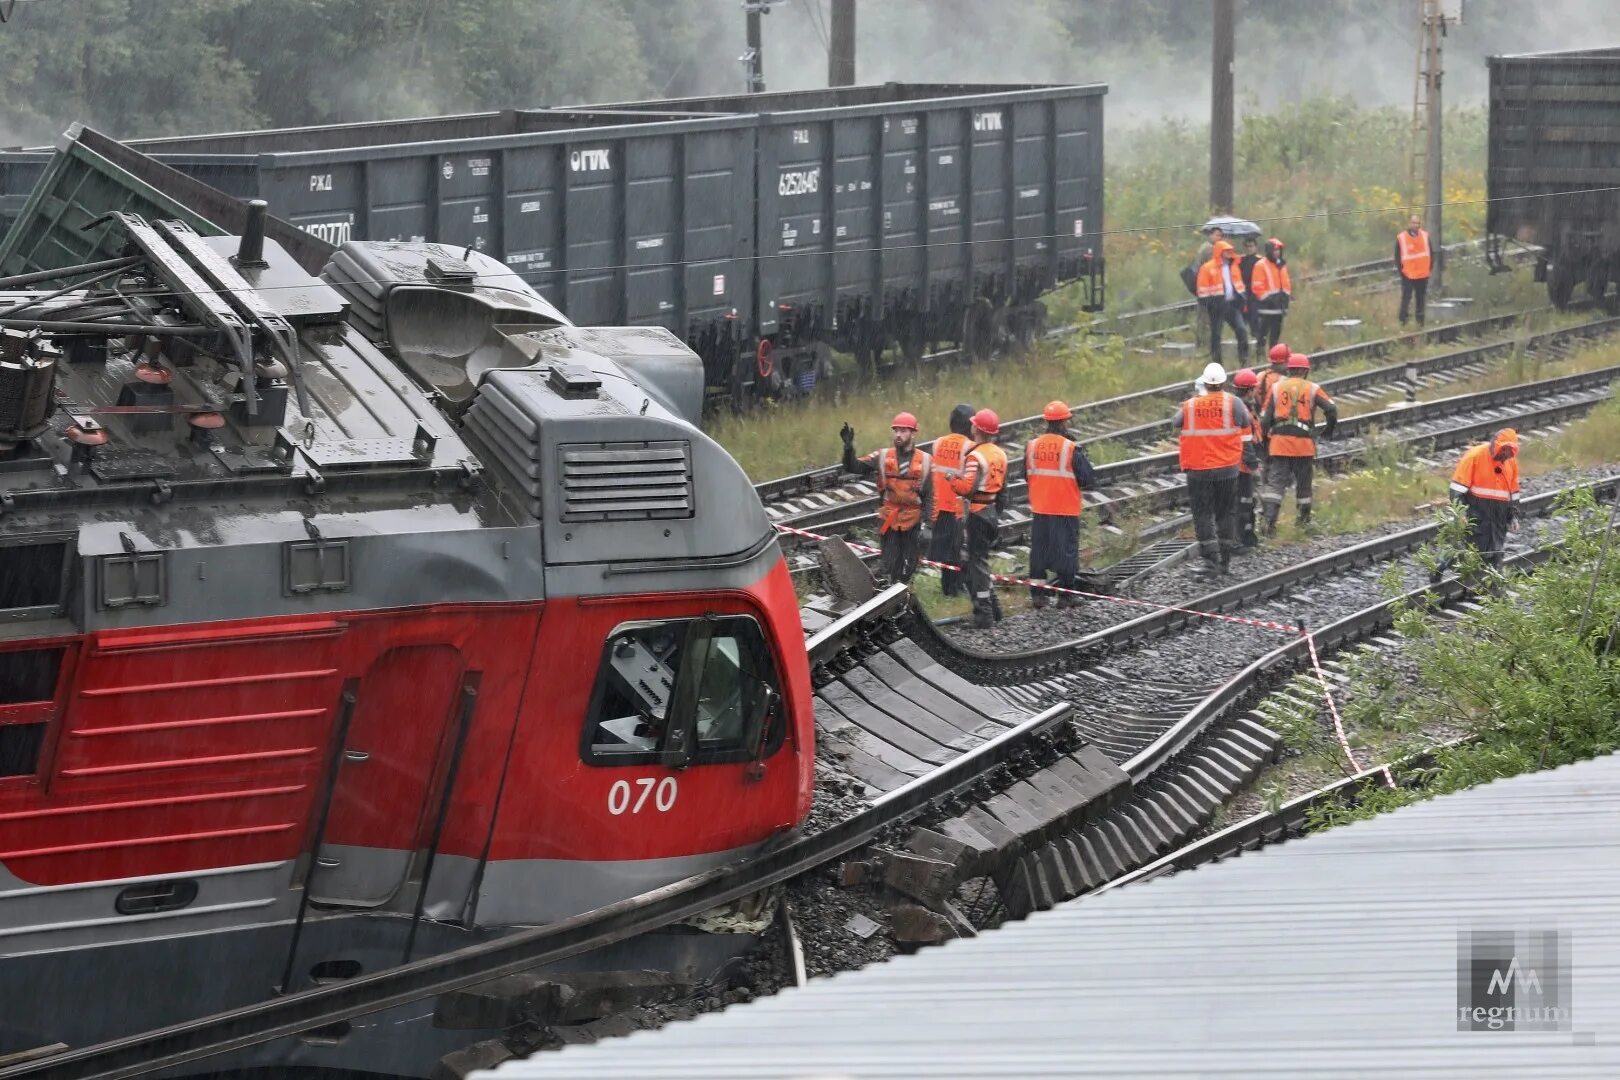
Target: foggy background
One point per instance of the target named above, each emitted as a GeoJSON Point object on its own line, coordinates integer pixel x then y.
{"type": "Point", "coordinates": [153, 67]}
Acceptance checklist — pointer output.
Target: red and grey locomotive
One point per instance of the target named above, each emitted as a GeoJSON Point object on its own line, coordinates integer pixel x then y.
{"type": "Point", "coordinates": [350, 618]}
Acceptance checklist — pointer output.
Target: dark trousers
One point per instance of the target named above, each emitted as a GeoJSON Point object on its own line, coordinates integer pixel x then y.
{"type": "Point", "coordinates": [1054, 548]}
{"type": "Point", "coordinates": [1214, 510]}
{"type": "Point", "coordinates": [982, 532]}
{"type": "Point", "coordinates": [1281, 473]}
{"type": "Point", "coordinates": [1220, 311]}
{"type": "Point", "coordinates": [1488, 521]}
{"type": "Point", "coordinates": [946, 547]}
{"type": "Point", "coordinates": [1410, 288]}
{"type": "Point", "coordinates": [1245, 509]}
{"type": "Point", "coordinates": [899, 554]}
{"type": "Point", "coordinates": [1267, 330]}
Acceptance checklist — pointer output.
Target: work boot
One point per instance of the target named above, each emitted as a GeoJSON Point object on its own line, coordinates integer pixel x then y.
{"type": "Point", "coordinates": [1271, 522]}
{"type": "Point", "coordinates": [1226, 564]}
{"type": "Point", "coordinates": [995, 606]}
{"type": "Point", "coordinates": [1069, 600]}
{"type": "Point", "coordinates": [1037, 599]}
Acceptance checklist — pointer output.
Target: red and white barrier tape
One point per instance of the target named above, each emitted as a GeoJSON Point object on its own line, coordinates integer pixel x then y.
{"type": "Point", "coordinates": [1263, 624]}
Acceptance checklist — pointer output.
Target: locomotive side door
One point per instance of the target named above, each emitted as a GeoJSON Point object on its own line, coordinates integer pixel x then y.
{"type": "Point", "coordinates": [400, 727]}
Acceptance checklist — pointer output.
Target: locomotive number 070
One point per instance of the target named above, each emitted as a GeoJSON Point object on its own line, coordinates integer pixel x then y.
{"type": "Point", "coordinates": [622, 798]}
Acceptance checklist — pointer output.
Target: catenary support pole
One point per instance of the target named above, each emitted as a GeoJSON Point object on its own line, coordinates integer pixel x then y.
{"type": "Point", "coordinates": [841, 44]}
{"type": "Point", "coordinates": [1223, 55]}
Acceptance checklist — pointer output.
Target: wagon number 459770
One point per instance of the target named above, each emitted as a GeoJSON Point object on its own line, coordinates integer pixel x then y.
{"type": "Point", "coordinates": [623, 798]}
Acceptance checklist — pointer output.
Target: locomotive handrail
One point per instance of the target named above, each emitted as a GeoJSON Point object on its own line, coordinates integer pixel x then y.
{"type": "Point", "coordinates": [208, 1036]}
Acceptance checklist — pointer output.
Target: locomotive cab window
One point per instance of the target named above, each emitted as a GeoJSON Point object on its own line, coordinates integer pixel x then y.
{"type": "Point", "coordinates": [684, 692]}
{"type": "Point", "coordinates": [33, 579]}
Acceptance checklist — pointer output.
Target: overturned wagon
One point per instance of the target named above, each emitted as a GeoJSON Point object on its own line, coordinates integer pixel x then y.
{"type": "Point", "coordinates": [767, 231]}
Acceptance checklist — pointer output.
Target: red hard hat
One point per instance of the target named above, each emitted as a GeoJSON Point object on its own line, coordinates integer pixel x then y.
{"type": "Point", "coordinates": [987, 421]}
{"type": "Point", "coordinates": [905, 420]}
{"type": "Point", "coordinates": [1279, 353]}
{"type": "Point", "coordinates": [1298, 361]}
{"type": "Point", "coordinates": [1056, 410]}
{"type": "Point", "coordinates": [1245, 379]}
{"type": "Point", "coordinates": [1278, 243]}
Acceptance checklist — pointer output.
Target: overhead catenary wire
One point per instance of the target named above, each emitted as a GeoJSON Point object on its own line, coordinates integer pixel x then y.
{"type": "Point", "coordinates": [967, 242]}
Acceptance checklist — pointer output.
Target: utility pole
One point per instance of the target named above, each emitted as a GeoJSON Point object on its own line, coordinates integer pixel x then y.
{"type": "Point", "coordinates": [1220, 111]}
{"type": "Point", "coordinates": [1434, 197]}
{"type": "Point", "coordinates": [753, 59]}
{"type": "Point", "coordinates": [841, 44]}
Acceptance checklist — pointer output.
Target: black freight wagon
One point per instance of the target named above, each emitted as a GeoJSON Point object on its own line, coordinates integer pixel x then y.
{"type": "Point", "coordinates": [1553, 176]}
{"type": "Point", "coordinates": [767, 230]}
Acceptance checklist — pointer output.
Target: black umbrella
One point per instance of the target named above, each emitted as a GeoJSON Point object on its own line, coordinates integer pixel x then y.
{"type": "Point", "coordinates": [1231, 226]}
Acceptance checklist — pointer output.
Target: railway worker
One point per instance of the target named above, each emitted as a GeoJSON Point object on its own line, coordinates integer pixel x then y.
{"type": "Point", "coordinates": [1270, 292]}
{"type": "Point", "coordinates": [1412, 262]}
{"type": "Point", "coordinates": [1289, 423]}
{"type": "Point", "coordinates": [1213, 443]}
{"type": "Point", "coordinates": [945, 541]}
{"type": "Point", "coordinates": [984, 476]}
{"type": "Point", "coordinates": [1058, 471]}
{"type": "Point", "coordinates": [1276, 373]}
{"type": "Point", "coordinates": [902, 473]}
{"type": "Point", "coordinates": [1220, 292]}
{"type": "Point", "coordinates": [1247, 384]}
{"type": "Point", "coordinates": [1486, 483]}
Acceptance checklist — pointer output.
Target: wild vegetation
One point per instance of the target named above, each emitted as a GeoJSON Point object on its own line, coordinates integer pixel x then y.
{"type": "Point", "coordinates": [1532, 678]}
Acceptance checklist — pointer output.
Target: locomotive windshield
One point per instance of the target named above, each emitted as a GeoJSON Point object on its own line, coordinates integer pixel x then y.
{"type": "Point", "coordinates": [697, 683]}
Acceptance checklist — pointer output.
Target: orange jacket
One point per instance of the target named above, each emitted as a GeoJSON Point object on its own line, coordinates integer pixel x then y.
{"type": "Point", "coordinates": [1269, 379]}
{"type": "Point", "coordinates": [1212, 432]}
{"type": "Point", "coordinates": [1049, 466]}
{"type": "Point", "coordinates": [983, 475]}
{"type": "Point", "coordinates": [901, 484]}
{"type": "Point", "coordinates": [1289, 420]}
{"type": "Point", "coordinates": [1413, 254]}
{"type": "Point", "coordinates": [1264, 279]}
{"type": "Point", "coordinates": [1480, 476]}
{"type": "Point", "coordinates": [1210, 283]}
{"type": "Point", "coordinates": [949, 453]}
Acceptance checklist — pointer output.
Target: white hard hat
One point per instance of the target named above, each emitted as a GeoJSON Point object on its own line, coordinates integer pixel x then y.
{"type": "Point", "coordinates": [1214, 375]}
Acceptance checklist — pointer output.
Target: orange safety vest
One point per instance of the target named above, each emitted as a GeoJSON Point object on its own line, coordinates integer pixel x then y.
{"type": "Point", "coordinates": [981, 487]}
{"type": "Point", "coordinates": [1479, 474]}
{"type": "Point", "coordinates": [901, 484]}
{"type": "Point", "coordinates": [1210, 435]}
{"type": "Point", "coordinates": [1264, 279]}
{"type": "Point", "coordinates": [1414, 253]}
{"type": "Point", "coordinates": [1049, 467]}
{"type": "Point", "coordinates": [1253, 435]}
{"type": "Point", "coordinates": [1210, 282]}
{"type": "Point", "coordinates": [1284, 282]}
{"type": "Point", "coordinates": [950, 452]}
{"type": "Point", "coordinates": [1293, 418]}
{"type": "Point", "coordinates": [1269, 379]}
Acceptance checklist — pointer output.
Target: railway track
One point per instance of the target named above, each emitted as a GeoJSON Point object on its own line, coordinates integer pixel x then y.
{"type": "Point", "coordinates": [1014, 800]}
{"type": "Point", "coordinates": [850, 504]}
{"type": "Point", "coordinates": [1091, 418]}
{"type": "Point", "coordinates": [1151, 489]}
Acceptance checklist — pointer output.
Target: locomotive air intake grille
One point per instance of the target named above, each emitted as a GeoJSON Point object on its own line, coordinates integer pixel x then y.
{"type": "Point", "coordinates": [626, 481]}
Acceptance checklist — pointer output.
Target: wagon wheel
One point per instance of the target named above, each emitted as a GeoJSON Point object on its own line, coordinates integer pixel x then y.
{"type": "Point", "coordinates": [979, 331]}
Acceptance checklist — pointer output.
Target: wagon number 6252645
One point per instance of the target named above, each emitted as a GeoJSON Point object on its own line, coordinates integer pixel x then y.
{"type": "Point", "coordinates": [625, 798]}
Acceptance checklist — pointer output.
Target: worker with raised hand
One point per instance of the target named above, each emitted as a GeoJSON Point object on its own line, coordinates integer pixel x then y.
{"type": "Point", "coordinates": [902, 472]}
{"type": "Point", "coordinates": [984, 477]}
{"type": "Point", "coordinates": [1057, 470]}
{"type": "Point", "coordinates": [945, 542]}
{"type": "Point", "coordinates": [1268, 295]}
{"type": "Point", "coordinates": [1486, 483]}
{"type": "Point", "coordinates": [1220, 291]}
{"type": "Point", "coordinates": [1247, 384]}
{"type": "Point", "coordinates": [1413, 261]}
{"type": "Point", "coordinates": [1214, 426]}
{"type": "Point", "coordinates": [1289, 422]}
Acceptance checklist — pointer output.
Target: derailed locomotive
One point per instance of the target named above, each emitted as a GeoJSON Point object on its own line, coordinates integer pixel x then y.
{"type": "Point", "coordinates": [350, 618]}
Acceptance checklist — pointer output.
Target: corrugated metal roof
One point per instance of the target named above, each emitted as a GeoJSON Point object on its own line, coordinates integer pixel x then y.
{"type": "Point", "coordinates": [1335, 955]}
